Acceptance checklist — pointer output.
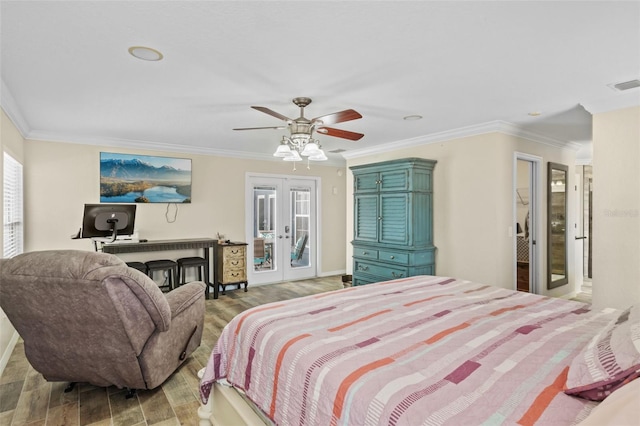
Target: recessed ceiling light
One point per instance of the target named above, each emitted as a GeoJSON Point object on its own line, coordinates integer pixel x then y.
{"type": "Point", "coordinates": [145, 53]}
{"type": "Point", "coordinates": [412, 117]}
{"type": "Point", "coordinates": [535, 113]}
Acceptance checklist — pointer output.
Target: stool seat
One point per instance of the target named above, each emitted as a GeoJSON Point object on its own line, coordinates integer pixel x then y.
{"type": "Point", "coordinates": [195, 262]}
{"type": "Point", "coordinates": [139, 266]}
{"type": "Point", "coordinates": [164, 265]}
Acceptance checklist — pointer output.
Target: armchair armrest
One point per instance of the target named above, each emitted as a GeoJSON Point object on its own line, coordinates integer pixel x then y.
{"type": "Point", "coordinates": [184, 296]}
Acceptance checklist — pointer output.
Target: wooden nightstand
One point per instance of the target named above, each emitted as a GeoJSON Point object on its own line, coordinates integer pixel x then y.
{"type": "Point", "coordinates": [231, 267]}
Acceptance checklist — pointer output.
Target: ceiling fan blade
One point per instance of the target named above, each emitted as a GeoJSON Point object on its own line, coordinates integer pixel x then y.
{"type": "Point", "coordinates": [338, 117]}
{"type": "Point", "coordinates": [272, 113]}
{"type": "Point", "coordinates": [339, 133]}
{"type": "Point", "coordinates": [259, 128]}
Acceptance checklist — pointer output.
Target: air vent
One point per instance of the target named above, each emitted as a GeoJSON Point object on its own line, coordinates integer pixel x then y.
{"type": "Point", "coordinates": [626, 85]}
{"type": "Point", "coordinates": [338, 151]}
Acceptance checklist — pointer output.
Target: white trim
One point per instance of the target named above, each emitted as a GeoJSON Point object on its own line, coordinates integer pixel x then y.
{"type": "Point", "coordinates": [473, 130]}
{"type": "Point", "coordinates": [161, 146]}
{"type": "Point", "coordinates": [8, 350]}
{"type": "Point", "coordinates": [332, 273]}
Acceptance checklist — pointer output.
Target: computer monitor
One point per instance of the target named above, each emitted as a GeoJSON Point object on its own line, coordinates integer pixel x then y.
{"type": "Point", "coordinates": [108, 220]}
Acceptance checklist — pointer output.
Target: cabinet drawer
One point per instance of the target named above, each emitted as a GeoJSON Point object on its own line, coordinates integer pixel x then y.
{"type": "Point", "coordinates": [233, 276]}
{"type": "Point", "coordinates": [233, 262]}
{"type": "Point", "coordinates": [233, 252]}
{"type": "Point", "coordinates": [386, 272]}
{"type": "Point", "coordinates": [362, 281]}
{"type": "Point", "coordinates": [394, 257]}
{"type": "Point", "coordinates": [365, 253]}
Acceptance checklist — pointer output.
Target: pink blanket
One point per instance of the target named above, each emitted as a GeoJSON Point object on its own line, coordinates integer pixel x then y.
{"type": "Point", "coordinates": [422, 350]}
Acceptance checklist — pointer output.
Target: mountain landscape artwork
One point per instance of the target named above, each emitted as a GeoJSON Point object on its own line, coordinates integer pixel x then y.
{"type": "Point", "coordinates": [128, 178]}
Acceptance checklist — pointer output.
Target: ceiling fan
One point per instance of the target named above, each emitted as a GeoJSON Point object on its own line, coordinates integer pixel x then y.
{"type": "Point", "coordinates": [302, 126]}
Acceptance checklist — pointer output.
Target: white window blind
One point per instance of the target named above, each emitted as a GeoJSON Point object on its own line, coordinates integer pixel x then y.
{"type": "Point", "coordinates": [12, 207]}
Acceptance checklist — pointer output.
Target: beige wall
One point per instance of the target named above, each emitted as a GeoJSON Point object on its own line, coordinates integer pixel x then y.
{"type": "Point", "coordinates": [616, 208]}
{"type": "Point", "coordinates": [11, 142]}
{"type": "Point", "coordinates": [474, 205]}
{"type": "Point", "coordinates": [61, 177]}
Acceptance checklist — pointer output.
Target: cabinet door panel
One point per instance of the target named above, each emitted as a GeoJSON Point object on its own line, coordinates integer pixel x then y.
{"type": "Point", "coordinates": [394, 213]}
{"type": "Point", "coordinates": [366, 218]}
{"type": "Point", "coordinates": [397, 180]}
{"type": "Point", "coordinates": [366, 182]}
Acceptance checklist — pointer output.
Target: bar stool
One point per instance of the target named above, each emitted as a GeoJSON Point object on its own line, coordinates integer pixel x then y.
{"type": "Point", "coordinates": [192, 262]}
{"type": "Point", "coordinates": [139, 266]}
{"type": "Point", "coordinates": [164, 265]}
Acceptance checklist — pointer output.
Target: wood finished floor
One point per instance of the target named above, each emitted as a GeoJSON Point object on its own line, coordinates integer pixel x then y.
{"type": "Point", "coordinates": [26, 399]}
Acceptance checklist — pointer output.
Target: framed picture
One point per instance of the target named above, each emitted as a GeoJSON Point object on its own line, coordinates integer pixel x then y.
{"type": "Point", "coordinates": [128, 178]}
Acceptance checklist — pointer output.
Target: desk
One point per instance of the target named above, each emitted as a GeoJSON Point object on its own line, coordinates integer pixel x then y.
{"type": "Point", "coordinates": [207, 244]}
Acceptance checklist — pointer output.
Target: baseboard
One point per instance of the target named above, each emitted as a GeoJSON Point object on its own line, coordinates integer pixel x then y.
{"type": "Point", "coordinates": [8, 351]}
{"type": "Point", "coordinates": [332, 273]}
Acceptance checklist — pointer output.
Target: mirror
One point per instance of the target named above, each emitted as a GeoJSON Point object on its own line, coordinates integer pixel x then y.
{"type": "Point", "coordinates": [557, 182]}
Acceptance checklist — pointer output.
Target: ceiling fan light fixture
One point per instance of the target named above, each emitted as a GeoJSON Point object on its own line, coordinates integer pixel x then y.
{"type": "Point", "coordinates": [310, 149]}
{"type": "Point", "coordinates": [319, 156]}
{"type": "Point", "coordinates": [283, 150]}
{"type": "Point", "coordinates": [293, 157]}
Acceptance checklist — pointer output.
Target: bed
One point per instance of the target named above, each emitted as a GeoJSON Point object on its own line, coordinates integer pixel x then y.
{"type": "Point", "coordinates": [424, 350]}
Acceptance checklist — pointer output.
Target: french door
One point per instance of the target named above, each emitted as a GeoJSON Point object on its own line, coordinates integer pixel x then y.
{"type": "Point", "coordinates": [281, 228]}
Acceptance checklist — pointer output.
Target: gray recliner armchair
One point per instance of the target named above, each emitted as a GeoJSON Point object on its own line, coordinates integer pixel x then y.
{"type": "Point", "coordinates": [88, 317]}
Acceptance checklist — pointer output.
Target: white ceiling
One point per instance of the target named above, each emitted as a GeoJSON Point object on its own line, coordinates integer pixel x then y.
{"type": "Point", "coordinates": [464, 66]}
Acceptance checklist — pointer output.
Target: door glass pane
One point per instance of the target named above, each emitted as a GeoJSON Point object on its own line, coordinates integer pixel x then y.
{"type": "Point", "coordinates": [300, 199]}
{"type": "Point", "coordinates": [264, 220]}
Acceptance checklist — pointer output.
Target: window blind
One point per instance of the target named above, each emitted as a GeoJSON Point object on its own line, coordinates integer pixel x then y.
{"type": "Point", "coordinates": [12, 207]}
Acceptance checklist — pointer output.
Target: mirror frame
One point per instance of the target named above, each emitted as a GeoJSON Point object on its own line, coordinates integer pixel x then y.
{"type": "Point", "coordinates": [555, 167]}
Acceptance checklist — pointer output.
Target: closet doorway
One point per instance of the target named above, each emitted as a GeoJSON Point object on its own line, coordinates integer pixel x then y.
{"type": "Point", "coordinates": [526, 222]}
{"type": "Point", "coordinates": [281, 228]}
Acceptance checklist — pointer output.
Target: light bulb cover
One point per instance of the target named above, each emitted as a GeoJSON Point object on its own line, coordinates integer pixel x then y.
{"type": "Point", "coordinates": [293, 157]}
{"type": "Point", "coordinates": [282, 151]}
{"type": "Point", "coordinates": [310, 149]}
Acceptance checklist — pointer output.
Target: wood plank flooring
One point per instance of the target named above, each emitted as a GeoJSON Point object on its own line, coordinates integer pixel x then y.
{"type": "Point", "coordinates": [26, 399]}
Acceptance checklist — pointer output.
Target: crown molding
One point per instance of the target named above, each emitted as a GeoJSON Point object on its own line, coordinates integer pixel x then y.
{"type": "Point", "coordinates": [158, 146]}
{"type": "Point", "coordinates": [10, 107]}
{"type": "Point", "coordinates": [474, 130]}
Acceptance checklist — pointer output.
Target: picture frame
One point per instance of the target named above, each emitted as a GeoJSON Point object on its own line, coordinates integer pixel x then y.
{"type": "Point", "coordinates": [133, 178]}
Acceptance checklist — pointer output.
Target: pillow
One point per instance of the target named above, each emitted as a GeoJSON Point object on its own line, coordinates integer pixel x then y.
{"type": "Point", "coordinates": [610, 360]}
{"type": "Point", "coordinates": [620, 408]}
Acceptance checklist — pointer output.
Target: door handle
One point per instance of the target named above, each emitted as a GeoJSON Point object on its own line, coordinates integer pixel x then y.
{"type": "Point", "coordinates": [581, 238]}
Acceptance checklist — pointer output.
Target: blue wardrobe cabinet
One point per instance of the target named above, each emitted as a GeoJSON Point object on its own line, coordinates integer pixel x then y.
{"type": "Point", "coordinates": [393, 220]}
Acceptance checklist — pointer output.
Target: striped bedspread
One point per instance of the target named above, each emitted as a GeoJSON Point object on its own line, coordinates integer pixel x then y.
{"type": "Point", "coordinates": [418, 351]}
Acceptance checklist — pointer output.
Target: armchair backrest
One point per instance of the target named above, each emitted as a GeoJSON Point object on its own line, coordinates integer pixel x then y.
{"type": "Point", "coordinates": [82, 310]}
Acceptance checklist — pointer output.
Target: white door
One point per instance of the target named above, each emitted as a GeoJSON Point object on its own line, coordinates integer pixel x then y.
{"type": "Point", "coordinates": [281, 225]}
{"type": "Point", "coordinates": [526, 216]}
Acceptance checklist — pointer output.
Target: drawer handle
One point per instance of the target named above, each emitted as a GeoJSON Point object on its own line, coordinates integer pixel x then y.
{"type": "Point", "coordinates": [235, 251]}
{"type": "Point", "coordinates": [400, 275]}
{"type": "Point", "coordinates": [363, 268]}
{"type": "Point", "coordinates": [392, 257]}
{"type": "Point", "coordinates": [364, 253]}
{"type": "Point", "coordinates": [379, 217]}
{"type": "Point", "coordinates": [235, 262]}
{"type": "Point", "coordinates": [235, 274]}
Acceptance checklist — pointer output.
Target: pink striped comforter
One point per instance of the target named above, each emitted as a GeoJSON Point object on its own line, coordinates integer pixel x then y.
{"type": "Point", "coordinates": [418, 351]}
